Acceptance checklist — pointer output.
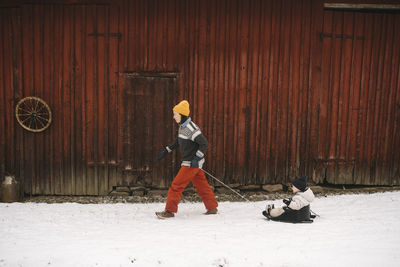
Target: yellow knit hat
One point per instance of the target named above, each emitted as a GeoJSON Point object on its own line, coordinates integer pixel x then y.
{"type": "Point", "coordinates": [182, 108]}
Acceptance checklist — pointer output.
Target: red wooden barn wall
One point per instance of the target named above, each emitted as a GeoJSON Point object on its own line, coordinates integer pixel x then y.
{"type": "Point", "coordinates": [280, 88]}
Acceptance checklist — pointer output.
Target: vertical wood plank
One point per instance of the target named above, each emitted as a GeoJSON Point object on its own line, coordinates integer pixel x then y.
{"type": "Point", "coordinates": [113, 69]}
{"type": "Point", "coordinates": [394, 121]}
{"type": "Point", "coordinates": [355, 94]}
{"type": "Point", "coordinates": [90, 101]}
{"type": "Point", "coordinates": [3, 125]}
{"type": "Point", "coordinates": [78, 160]}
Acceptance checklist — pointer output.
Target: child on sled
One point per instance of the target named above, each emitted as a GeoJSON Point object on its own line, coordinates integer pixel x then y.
{"type": "Point", "coordinates": [297, 207]}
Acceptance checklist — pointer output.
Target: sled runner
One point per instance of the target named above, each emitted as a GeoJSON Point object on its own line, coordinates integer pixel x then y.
{"type": "Point", "coordinates": [302, 215]}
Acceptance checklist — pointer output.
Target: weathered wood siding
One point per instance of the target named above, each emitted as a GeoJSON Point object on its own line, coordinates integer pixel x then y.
{"type": "Point", "coordinates": [359, 97]}
{"type": "Point", "coordinates": [280, 88]}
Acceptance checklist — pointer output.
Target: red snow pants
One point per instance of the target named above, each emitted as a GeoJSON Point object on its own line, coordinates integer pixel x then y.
{"type": "Point", "coordinates": [182, 179]}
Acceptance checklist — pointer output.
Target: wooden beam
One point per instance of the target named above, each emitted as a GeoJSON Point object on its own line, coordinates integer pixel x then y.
{"type": "Point", "coordinates": [361, 6]}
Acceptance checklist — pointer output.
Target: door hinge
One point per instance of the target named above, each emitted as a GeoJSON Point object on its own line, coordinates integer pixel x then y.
{"type": "Point", "coordinates": [339, 36]}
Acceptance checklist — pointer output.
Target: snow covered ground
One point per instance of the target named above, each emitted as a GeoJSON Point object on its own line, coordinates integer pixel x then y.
{"type": "Point", "coordinates": [353, 230]}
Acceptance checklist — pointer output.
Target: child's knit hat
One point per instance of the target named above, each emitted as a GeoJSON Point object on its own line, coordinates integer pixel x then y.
{"type": "Point", "coordinates": [300, 183]}
{"type": "Point", "coordinates": [182, 108]}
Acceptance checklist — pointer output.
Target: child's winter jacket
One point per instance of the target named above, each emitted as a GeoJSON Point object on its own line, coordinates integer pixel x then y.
{"type": "Point", "coordinates": [301, 199]}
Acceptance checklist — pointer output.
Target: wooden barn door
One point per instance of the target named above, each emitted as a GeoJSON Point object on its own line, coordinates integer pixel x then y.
{"type": "Point", "coordinates": [148, 128]}
{"type": "Point", "coordinates": [360, 59]}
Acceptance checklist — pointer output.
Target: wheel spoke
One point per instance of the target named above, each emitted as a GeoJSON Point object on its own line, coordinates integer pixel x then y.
{"type": "Point", "coordinates": [36, 105]}
{"type": "Point", "coordinates": [23, 119]}
{"type": "Point", "coordinates": [30, 104]}
{"type": "Point", "coordinates": [34, 121]}
{"type": "Point", "coordinates": [25, 108]}
{"type": "Point", "coordinates": [44, 119]}
{"type": "Point", "coordinates": [33, 102]}
{"type": "Point", "coordinates": [39, 126]}
{"type": "Point", "coordinates": [41, 122]}
{"type": "Point", "coordinates": [26, 119]}
{"type": "Point", "coordinates": [29, 112]}
{"type": "Point", "coordinates": [24, 114]}
{"type": "Point", "coordinates": [41, 107]}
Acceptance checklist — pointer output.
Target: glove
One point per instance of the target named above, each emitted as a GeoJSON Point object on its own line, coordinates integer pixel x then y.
{"type": "Point", "coordinates": [162, 154]}
{"type": "Point", "coordinates": [287, 201]}
{"type": "Point", "coordinates": [195, 162]}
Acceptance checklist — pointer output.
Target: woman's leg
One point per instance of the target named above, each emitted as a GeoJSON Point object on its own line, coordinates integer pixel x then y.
{"type": "Point", "coordinates": [204, 190]}
{"type": "Point", "coordinates": [181, 180]}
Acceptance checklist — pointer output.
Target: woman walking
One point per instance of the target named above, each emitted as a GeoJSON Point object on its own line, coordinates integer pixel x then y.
{"type": "Point", "coordinates": [193, 145]}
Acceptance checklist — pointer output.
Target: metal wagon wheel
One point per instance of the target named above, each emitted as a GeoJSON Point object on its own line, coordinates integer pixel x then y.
{"type": "Point", "coordinates": [33, 114]}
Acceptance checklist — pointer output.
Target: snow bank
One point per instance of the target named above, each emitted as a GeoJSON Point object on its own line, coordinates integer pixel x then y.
{"type": "Point", "coordinates": [353, 230]}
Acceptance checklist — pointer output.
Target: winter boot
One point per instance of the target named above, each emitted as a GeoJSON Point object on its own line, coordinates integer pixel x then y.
{"type": "Point", "coordinates": [213, 211]}
{"type": "Point", "coordinates": [266, 214]}
{"type": "Point", "coordinates": [165, 214]}
{"type": "Point", "coordinates": [269, 207]}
